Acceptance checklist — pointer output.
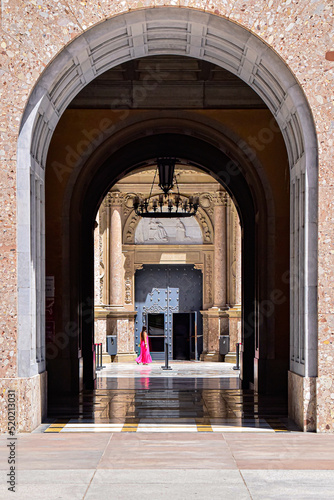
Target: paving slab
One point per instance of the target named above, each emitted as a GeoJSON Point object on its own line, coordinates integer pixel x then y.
{"type": "Point", "coordinates": [282, 451]}
{"type": "Point", "coordinates": [286, 484]}
{"type": "Point", "coordinates": [56, 451]}
{"type": "Point", "coordinates": [168, 451]}
{"type": "Point", "coordinates": [167, 484]}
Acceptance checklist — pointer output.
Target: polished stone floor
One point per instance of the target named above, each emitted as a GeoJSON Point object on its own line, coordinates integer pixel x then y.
{"type": "Point", "coordinates": [191, 397]}
{"type": "Point", "coordinates": [245, 459]}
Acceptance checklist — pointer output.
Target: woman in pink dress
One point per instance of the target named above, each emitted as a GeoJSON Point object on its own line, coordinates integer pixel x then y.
{"type": "Point", "coordinates": [145, 356]}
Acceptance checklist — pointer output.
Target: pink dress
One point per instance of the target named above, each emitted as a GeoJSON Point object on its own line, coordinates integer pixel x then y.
{"type": "Point", "coordinates": [145, 356]}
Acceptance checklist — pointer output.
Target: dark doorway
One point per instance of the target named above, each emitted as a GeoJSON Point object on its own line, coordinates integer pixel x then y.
{"type": "Point", "coordinates": [181, 336]}
{"type": "Point", "coordinates": [156, 332]}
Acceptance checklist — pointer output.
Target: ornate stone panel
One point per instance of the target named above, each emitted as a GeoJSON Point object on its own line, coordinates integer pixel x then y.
{"type": "Point", "coordinates": [182, 231]}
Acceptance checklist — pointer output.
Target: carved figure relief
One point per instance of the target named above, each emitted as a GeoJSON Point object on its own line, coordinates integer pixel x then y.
{"type": "Point", "coordinates": [168, 231]}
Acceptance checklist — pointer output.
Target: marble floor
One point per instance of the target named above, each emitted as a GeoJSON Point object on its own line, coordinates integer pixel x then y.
{"type": "Point", "coordinates": [191, 397]}
{"type": "Point", "coordinates": [190, 433]}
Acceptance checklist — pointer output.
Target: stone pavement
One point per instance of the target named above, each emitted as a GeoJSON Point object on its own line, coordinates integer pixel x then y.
{"type": "Point", "coordinates": [174, 466]}
{"type": "Point", "coordinates": [239, 461]}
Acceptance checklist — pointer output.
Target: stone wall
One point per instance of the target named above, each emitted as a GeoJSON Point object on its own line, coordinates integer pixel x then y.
{"type": "Point", "coordinates": [32, 34]}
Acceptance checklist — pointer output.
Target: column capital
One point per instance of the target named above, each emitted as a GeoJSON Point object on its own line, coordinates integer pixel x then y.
{"type": "Point", "coordinates": [114, 199]}
{"type": "Point", "coordinates": [220, 198]}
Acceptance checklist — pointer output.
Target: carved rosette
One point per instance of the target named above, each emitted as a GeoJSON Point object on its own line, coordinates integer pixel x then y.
{"type": "Point", "coordinates": [206, 202]}
{"type": "Point", "coordinates": [128, 204]}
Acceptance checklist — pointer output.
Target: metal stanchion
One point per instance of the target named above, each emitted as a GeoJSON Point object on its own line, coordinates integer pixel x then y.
{"type": "Point", "coordinates": [166, 367]}
{"type": "Point", "coordinates": [98, 356]}
{"type": "Point", "coordinates": [237, 366]}
{"type": "Point", "coordinates": [101, 363]}
{"type": "Point", "coordinates": [96, 351]}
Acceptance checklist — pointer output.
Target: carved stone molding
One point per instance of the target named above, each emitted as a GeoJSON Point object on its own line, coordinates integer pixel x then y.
{"type": "Point", "coordinates": [206, 225]}
{"type": "Point", "coordinates": [130, 228]}
{"type": "Point", "coordinates": [114, 198]}
{"type": "Point", "coordinates": [221, 198]}
{"type": "Point", "coordinates": [206, 201]}
{"type": "Point", "coordinates": [128, 278]}
{"type": "Point", "coordinates": [102, 268]}
{"type": "Point", "coordinates": [128, 203]}
{"type": "Point", "coordinates": [208, 278]}
{"type": "Point", "coordinates": [200, 267]}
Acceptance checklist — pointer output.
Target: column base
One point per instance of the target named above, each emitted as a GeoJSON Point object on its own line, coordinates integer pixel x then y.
{"type": "Point", "coordinates": [234, 325]}
{"type": "Point", "coordinates": [231, 357]}
{"type": "Point", "coordinates": [30, 401]}
{"type": "Point", "coordinates": [112, 320]}
{"type": "Point", "coordinates": [211, 356]}
{"type": "Point", "coordinates": [302, 401]}
{"type": "Point", "coordinates": [106, 358]}
{"type": "Point", "coordinates": [128, 357]}
{"type": "Point", "coordinates": [215, 324]}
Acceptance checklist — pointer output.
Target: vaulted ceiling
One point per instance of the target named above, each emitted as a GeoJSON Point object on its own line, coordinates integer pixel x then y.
{"type": "Point", "coordinates": [173, 82]}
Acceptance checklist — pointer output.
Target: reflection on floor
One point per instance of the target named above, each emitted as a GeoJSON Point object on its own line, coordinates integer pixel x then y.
{"type": "Point", "coordinates": [192, 397]}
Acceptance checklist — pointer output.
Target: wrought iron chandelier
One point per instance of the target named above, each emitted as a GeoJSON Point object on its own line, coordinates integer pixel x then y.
{"type": "Point", "coordinates": [166, 204]}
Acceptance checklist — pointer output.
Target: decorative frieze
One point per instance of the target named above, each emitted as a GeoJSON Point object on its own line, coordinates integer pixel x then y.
{"type": "Point", "coordinates": [220, 198]}
{"type": "Point", "coordinates": [114, 199]}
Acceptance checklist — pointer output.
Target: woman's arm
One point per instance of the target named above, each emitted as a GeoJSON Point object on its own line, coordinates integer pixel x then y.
{"type": "Point", "coordinates": [145, 339]}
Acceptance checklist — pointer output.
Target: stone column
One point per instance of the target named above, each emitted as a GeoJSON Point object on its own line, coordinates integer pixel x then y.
{"type": "Point", "coordinates": [120, 320]}
{"type": "Point", "coordinates": [220, 250]}
{"type": "Point", "coordinates": [111, 317]}
{"type": "Point", "coordinates": [237, 262]}
{"type": "Point", "coordinates": [102, 272]}
{"type": "Point", "coordinates": [234, 312]}
{"type": "Point", "coordinates": [215, 319]}
{"type": "Point", "coordinates": [116, 256]}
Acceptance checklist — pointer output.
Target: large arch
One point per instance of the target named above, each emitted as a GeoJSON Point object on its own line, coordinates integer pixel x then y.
{"type": "Point", "coordinates": [181, 32]}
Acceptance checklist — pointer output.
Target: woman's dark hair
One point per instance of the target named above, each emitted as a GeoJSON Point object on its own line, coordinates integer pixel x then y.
{"type": "Point", "coordinates": [142, 333]}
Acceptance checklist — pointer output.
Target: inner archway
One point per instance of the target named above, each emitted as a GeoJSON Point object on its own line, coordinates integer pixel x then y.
{"type": "Point", "coordinates": [248, 57]}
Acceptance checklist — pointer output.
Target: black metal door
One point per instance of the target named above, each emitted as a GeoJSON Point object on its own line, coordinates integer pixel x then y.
{"type": "Point", "coordinates": [167, 290]}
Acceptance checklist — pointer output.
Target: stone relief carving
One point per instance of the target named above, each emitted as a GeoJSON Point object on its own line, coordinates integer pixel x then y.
{"type": "Point", "coordinates": [207, 232]}
{"type": "Point", "coordinates": [221, 198]}
{"type": "Point", "coordinates": [206, 201]}
{"type": "Point", "coordinates": [130, 228]}
{"type": "Point", "coordinates": [128, 279]}
{"type": "Point", "coordinates": [102, 270]}
{"type": "Point", "coordinates": [234, 256]}
{"type": "Point", "coordinates": [128, 289]}
{"type": "Point", "coordinates": [114, 198]}
{"type": "Point", "coordinates": [128, 204]}
{"type": "Point", "coordinates": [168, 231]}
{"type": "Point", "coordinates": [199, 267]}
{"type": "Point", "coordinates": [208, 278]}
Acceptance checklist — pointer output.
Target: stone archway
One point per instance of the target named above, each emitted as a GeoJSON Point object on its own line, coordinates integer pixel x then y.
{"type": "Point", "coordinates": [180, 32]}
